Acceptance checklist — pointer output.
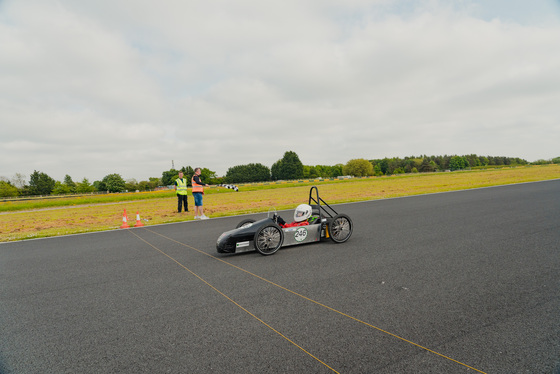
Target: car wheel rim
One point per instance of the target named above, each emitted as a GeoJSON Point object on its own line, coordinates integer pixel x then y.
{"type": "Point", "coordinates": [340, 228]}
{"type": "Point", "coordinates": [269, 238]}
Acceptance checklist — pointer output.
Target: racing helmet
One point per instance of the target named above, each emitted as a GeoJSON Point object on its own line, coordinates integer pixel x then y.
{"type": "Point", "coordinates": [302, 213]}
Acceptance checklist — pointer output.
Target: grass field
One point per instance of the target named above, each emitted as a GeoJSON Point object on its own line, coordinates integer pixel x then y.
{"type": "Point", "coordinates": [21, 220]}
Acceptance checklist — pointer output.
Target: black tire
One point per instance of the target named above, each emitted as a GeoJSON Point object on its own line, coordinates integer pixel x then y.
{"type": "Point", "coordinates": [269, 239]}
{"type": "Point", "coordinates": [340, 228]}
{"type": "Point", "coordinates": [244, 223]}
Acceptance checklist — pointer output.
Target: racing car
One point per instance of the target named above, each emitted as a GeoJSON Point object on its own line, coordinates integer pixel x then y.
{"type": "Point", "coordinates": [313, 222]}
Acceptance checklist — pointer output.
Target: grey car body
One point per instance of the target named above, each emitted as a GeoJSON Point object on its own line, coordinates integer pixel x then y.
{"type": "Point", "coordinates": [267, 236]}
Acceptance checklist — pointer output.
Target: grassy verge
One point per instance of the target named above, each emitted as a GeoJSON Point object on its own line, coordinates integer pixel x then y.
{"type": "Point", "coordinates": [43, 203]}
{"type": "Point", "coordinates": [77, 215]}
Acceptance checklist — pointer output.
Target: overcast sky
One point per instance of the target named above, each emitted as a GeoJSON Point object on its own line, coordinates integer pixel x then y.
{"type": "Point", "coordinates": [91, 88]}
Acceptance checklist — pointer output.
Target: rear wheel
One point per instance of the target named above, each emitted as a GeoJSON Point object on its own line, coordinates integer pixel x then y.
{"type": "Point", "coordinates": [245, 223]}
{"type": "Point", "coordinates": [340, 228]}
{"type": "Point", "coordinates": [268, 239]}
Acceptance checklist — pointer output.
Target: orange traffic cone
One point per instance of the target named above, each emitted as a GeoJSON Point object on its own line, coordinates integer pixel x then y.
{"type": "Point", "coordinates": [138, 222]}
{"type": "Point", "coordinates": [124, 221]}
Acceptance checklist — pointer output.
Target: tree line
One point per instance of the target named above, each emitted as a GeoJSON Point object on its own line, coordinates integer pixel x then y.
{"type": "Point", "coordinates": [289, 167]}
{"type": "Point", "coordinates": [423, 164]}
{"type": "Point", "coordinates": [42, 184]}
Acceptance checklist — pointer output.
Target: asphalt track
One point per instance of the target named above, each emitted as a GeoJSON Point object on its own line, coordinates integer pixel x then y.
{"type": "Point", "coordinates": [460, 282]}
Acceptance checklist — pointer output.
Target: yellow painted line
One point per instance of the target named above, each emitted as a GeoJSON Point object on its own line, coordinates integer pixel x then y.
{"type": "Point", "coordinates": [229, 298]}
{"type": "Point", "coordinates": [323, 305]}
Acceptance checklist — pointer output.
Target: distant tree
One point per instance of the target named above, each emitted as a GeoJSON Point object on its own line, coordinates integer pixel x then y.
{"type": "Point", "coordinates": [288, 167]}
{"type": "Point", "coordinates": [275, 170]}
{"type": "Point", "coordinates": [131, 185]}
{"type": "Point", "coordinates": [425, 163]}
{"type": "Point", "coordinates": [114, 183]}
{"type": "Point", "coordinates": [496, 160]}
{"type": "Point", "coordinates": [384, 166]}
{"type": "Point", "coordinates": [208, 176]}
{"type": "Point", "coordinates": [520, 161]}
{"type": "Point", "coordinates": [323, 171]}
{"type": "Point", "coordinates": [168, 177]}
{"type": "Point", "coordinates": [358, 167]}
{"type": "Point", "coordinates": [395, 166]}
{"type": "Point", "coordinates": [410, 163]}
{"type": "Point", "coordinates": [19, 180]}
{"type": "Point", "coordinates": [472, 160]}
{"type": "Point", "coordinates": [154, 182]}
{"type": "Point", "coordinates": [458, 163]}
{"type": "Point", "coordinates": [41, 183]}
{"type": "Point", "coordinates": [427, 166]}
{"type": "Point", "coordinates": [313, 172]}
{"type": "Point", "coordinates": [7, 189]}
{"type": "Point", "coordinates": [84, 186]}
{"type": "Point", "coordinates": [143, 186]}
{"type": "Point", "coordinates": [439, 161]}
{"type": "Point", "coordinates": [556, 160]}
{"type": "Point", "coordinates": [336, 170]}
{"type": "Point", "coordinates": [100, 186]}
{"type": "Point", "coordinates": [247, 173]}
{"type": "Point", "coordinates": [61, 189]}
{"type": "Point", "coordinates": [69, 183]}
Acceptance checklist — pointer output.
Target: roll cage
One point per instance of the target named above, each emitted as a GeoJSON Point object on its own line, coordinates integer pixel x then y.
{"type": "Point", "coordinates": [319, 206]}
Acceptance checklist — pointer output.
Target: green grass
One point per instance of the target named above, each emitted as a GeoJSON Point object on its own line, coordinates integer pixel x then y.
{"type": "Point", "coordinates": [50, 217]}
{"type": "Point", "coordinates": [32, 203]}
{"type": "Point", "coordinates": [50, 202]}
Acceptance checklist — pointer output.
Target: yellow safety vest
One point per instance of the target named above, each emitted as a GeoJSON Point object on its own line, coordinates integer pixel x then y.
{"type": "Point", "coordinates": [181, 186]}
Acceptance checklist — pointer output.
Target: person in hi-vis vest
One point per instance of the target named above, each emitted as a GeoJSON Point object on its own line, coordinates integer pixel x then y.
{"type": "Point", "coordinates": [198, 191]}
{"type": "Point", "coordinates": [181, 189]}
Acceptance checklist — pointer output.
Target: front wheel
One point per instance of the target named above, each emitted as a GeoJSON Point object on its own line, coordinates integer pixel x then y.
{"type": "Point", "coordinates": [340, 228]}
{"type": "Point", "coordinates": [268, 239]}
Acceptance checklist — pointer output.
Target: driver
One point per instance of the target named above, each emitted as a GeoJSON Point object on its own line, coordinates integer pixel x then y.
{"type": "Point", "coordinates": [302, 217]}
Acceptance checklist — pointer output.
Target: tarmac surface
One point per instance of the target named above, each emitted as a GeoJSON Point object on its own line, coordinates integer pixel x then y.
{"type": "Point", "coordinates": [459, 282]}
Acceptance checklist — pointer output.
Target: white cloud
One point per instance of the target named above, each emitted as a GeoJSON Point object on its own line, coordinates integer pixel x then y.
{"type": "Point", "coordinates": [94, 88]}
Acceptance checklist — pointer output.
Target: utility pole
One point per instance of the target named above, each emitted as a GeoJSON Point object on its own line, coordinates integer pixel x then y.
{"type": "Point", "coordinates": [172, 165]}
